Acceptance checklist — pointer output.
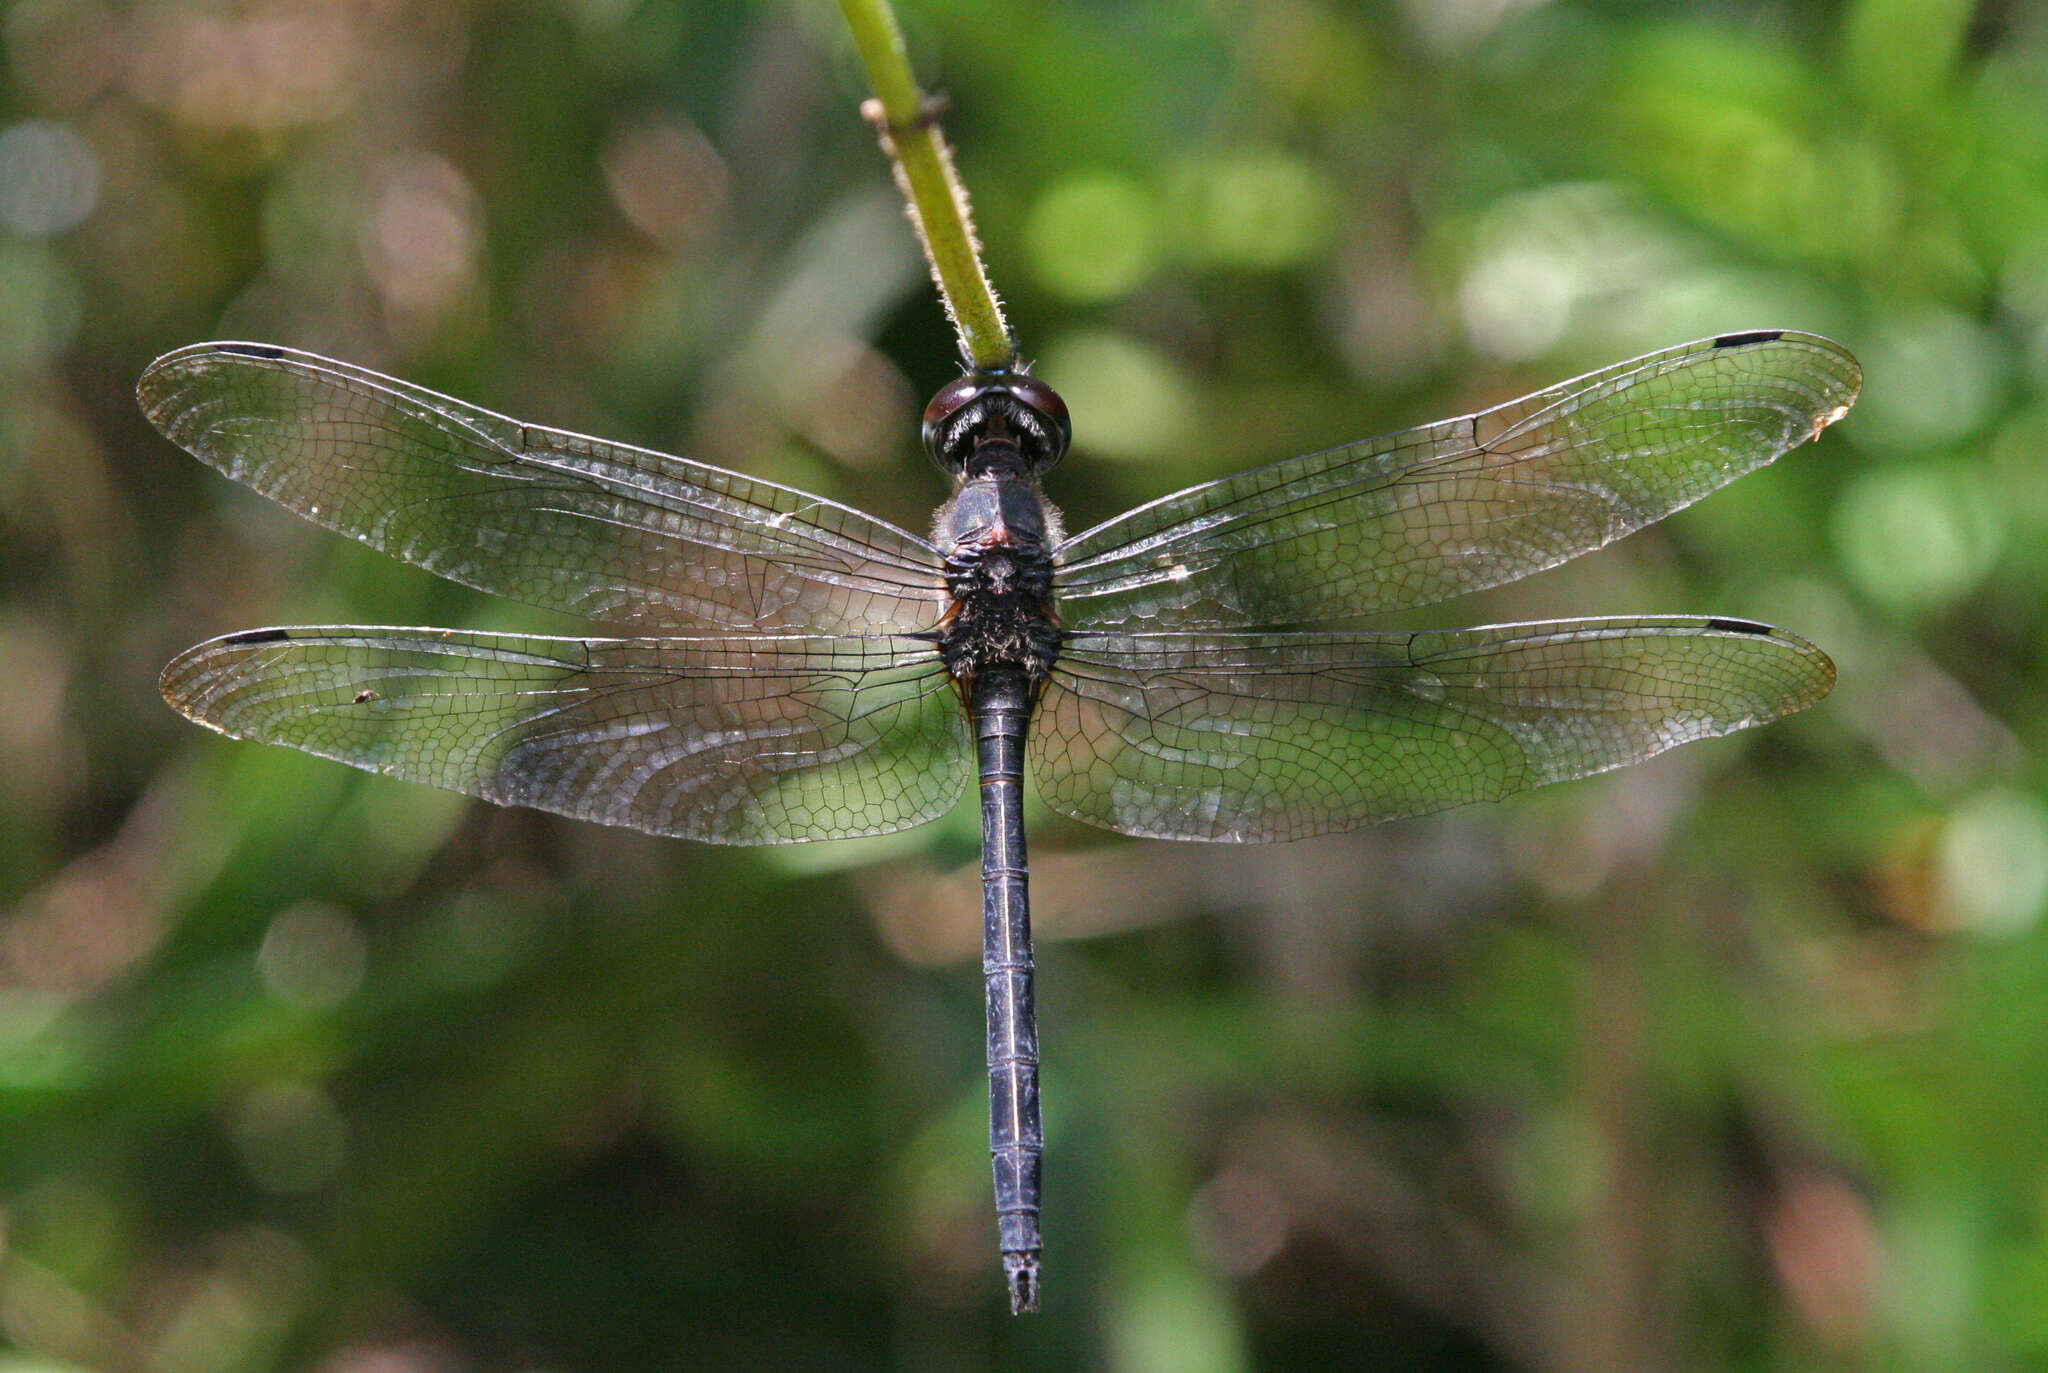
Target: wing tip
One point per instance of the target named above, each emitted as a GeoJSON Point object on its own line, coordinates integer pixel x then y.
{"type": "Point", "coordinates": [1803, 650]}
{"type": "Point", "coordinates": [162, 384]}
{"type": "Point", "coordinates": [1836, 391]}
{"type": "Point", "coordinates": [182, 684]}
{"type": "Point", "coordinates": [187, 683]}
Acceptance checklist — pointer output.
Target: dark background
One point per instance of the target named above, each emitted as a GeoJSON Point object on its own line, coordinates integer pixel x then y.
{"type": "Point", "coordinates": [1736, 1060]}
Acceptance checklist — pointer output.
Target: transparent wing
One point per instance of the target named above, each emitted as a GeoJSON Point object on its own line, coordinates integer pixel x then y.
{"type": "Point", "coordinates": [1416, 517]}
{"type": "Point", "coordinates": [742, 740]}
{"type": "Point", "coordinates": [1253, 738]}
{"type": "Point", "coordinates": [618, 534]}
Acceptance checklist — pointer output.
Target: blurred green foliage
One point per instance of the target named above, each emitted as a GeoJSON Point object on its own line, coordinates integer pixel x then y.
{"type": "Point", "coordinates": [1730, 1061]}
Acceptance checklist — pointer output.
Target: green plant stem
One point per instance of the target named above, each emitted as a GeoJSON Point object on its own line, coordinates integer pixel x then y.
{"type": "Point", "coordinates": [906, 123]}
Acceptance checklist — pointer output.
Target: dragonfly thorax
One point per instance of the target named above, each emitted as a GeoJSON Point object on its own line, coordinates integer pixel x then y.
{"type": "Point", "coordinates": [997, 535]}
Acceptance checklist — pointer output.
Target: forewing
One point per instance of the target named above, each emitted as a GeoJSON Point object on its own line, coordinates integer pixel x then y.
{"type": "Point", "coordinates": [618, 534]}
{"type": "Point", "coordinates": [1416, 517]}
{"type": "Point", "coordinates": [1253, 738]}
{"type": "Point", "coordinates": [738, 740]}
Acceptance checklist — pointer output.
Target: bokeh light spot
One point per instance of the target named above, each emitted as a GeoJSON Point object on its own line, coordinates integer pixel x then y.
{"type": "Point", "coordinates": [1994, 861]}
{"type": "Point", "coordinates": [49, 177]}
{"type": "Point", "coordinates": [1170, 1322]}
{"type": "Point", "coordinates": [1452, 25]}
{"type": "Point", "coordinates": [667, 180]}
{"type": "Point", "coordinates": [289, 1136]}
{"type": "Point", "coordinates": [1929, 379]}
{"type": "Point", "coordinates": [421, 240]}
{"type": "Point", "coordinates": [257, 67]}
{"type": "Point", "coordinates": [311, 957]}
{"type": "Point", "coordinates": [1516, 303]}
{"type": "Point", "coordinates": [1093, 236]}
{"type": "Point", "coordinates": [1542, 264]}
{"type": "Point", "coordinates": [1261, 208]}
{"type": "Point", "coordinates": [63, 1222]}
{"type": "Point", "coordinates": [1915, 538]}
{"type": "Point", "coordinates": [476, 941]}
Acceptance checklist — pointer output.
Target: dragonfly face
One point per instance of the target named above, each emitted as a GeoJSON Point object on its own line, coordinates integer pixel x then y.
{"type": "Point", "coordinates": [789, 668]}
{"type": "Point", "coordinates": [972, 413]}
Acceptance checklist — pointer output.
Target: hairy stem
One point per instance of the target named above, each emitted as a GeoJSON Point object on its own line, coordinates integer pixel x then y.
{"type": "Point", "coordinates": [906, 122]}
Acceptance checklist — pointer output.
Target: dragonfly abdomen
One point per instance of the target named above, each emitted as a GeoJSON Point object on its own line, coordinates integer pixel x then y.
{"type": "Point", "coordinates": [1000, 702]}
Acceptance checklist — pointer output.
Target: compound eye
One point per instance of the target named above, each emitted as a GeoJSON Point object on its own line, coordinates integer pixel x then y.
{"type": "Point", "coordinates": [1043, 399]}
{"type": "Point", "coordinates": [1046, 401]}
{"type": "Point", "coordinates": [953, 397]}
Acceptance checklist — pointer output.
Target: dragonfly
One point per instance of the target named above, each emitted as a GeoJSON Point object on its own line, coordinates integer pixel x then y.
{"type": "Point", "coordinates": [786, 668]}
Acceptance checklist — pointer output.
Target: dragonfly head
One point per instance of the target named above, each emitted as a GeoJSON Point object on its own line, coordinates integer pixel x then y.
{"type": "Point", "coordinates": [985, 419]}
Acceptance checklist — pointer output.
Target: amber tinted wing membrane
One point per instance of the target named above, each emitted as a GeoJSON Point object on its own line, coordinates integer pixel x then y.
{"type": "Point", "coordinates": [740, 740]}
{"type": "Point", "coordinates": [618, 534]}
{"type": "Point", "coordinates": [1426, 514]}
{"type": "Point", "coordinates": [1261, 737]}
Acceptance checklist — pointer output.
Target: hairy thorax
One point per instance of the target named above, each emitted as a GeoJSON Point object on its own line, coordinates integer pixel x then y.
{"type": "Point", "coordinates": [997, 534]}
